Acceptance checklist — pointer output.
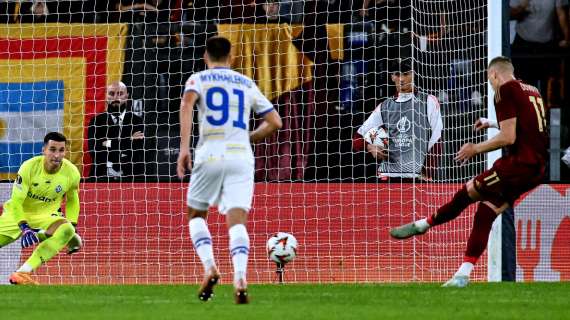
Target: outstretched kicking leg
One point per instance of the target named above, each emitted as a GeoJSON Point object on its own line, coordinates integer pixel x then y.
{"type": "Point", "coordinates": [460, 201]}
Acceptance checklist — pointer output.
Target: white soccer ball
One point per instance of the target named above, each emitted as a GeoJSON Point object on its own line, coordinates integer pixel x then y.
{"type": "Point", "coordinates": [377, 136]}
{"type": "Point", "coordinates": [282, 248]}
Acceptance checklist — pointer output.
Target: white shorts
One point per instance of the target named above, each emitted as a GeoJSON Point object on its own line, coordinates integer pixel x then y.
{"type": "Point", "coordinates": [226, 183]}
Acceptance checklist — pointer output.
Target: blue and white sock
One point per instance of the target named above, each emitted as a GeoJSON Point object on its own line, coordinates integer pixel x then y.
{"type": "Point", "coordinates": [239, 250]}
{"type": "Point", "coordinates": [202, 240]}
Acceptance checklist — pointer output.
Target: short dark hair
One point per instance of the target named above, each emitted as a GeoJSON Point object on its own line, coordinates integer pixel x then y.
{"type": "Point", "coordinates": [55, 136]}
{"type": "Point", "coordinates": [401, 66]}
{"type": "Point", "coordinates": [218, 48]}
{"type": "Point", "coordinates": [503, 63]}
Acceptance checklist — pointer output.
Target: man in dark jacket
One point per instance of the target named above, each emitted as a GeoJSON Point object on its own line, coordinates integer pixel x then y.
{"type": "Point", "coordinates": [116, 138]}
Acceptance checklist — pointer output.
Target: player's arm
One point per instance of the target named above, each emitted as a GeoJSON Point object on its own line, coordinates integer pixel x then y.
{"type": "Point", "coordinates": [72, 205]}
{"type": "Point", "coordinates": [264, 108]}
{"type": "Point", "coordinates": [435, 121]}
{"type": "Point", "coordinates": [374, 120]}
{"type": "Point", "coordinates": [505, 108]}
{"type": "Point", "coordinates": [72, 208]}
{"type": "Point", "coordinates": [19, 193]}
{"type": "Point", "coordinates": [186, 113]}
{"type": "Point", "coordinates": [506, 136]}
{"type": "Point", "coordinates": [435, 147]}
{"type": "Point", "coordinates": [272, 122]}
{"type": "Point", "coordinates": [484, 123]}
{"type": "Point", "coordinates": [358, 143]}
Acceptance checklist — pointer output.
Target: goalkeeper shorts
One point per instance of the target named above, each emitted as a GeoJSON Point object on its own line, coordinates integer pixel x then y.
{"type": "Point", "coordinates": [9, 227]}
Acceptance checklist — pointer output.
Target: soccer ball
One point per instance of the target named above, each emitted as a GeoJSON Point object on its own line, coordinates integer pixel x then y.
{"type": "Point", "coordinates": [282, 248]}
{"type": "Point", "coordinates": [378, 137]}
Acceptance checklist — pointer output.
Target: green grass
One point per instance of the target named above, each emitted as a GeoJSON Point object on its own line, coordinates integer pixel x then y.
{"type": "Point", "coordinates": [396, 301]}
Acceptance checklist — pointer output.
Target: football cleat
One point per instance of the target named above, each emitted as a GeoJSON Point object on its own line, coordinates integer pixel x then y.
{"type": "Point", "coordinates": [23, 278]}
{"type": "Point", "coordinates": [240, 294]}
{"type": "Point", "coordinates": [407, 230]}
{"type": "Point", "coordinates": [457, 282]}
{"type": "Point", "coordinates": [206, 291]}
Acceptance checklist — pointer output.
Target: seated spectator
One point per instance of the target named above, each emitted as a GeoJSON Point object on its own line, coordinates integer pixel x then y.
{"type": "Point", "coordinates": [116, 139]}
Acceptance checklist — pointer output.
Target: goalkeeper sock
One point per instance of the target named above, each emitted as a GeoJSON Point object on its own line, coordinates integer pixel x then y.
{"type": "Point", "coordinates": [452, 209]}
{"type": "Point", "coordinates": [202, 240]}
{"type": "Point", "coordinates": [50, 247]}
{"type": "Point", "coordinates": [239, 250]}
{"type": "Point", "coordinates": [482, 223]}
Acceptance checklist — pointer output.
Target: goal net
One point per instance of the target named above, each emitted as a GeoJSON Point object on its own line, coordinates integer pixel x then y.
{"type": "Point", "coordinates": [325, 65]}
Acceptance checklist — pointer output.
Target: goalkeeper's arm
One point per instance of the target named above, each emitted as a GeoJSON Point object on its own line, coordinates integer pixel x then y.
{"type": "Point", "coordinates": [72, 214]}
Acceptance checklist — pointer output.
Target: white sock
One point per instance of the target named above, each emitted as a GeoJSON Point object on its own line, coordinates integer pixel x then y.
{"type": "Point", "coordinates": [202, 240]}
{"type": "Point", "coordinates": [239, 250]}
{"type": "Point", "coordinates": [422, 224]}
{"type": "Point", "coordinates": [25, 268]}
{"type": "Point", "coordinates": [465, 269]}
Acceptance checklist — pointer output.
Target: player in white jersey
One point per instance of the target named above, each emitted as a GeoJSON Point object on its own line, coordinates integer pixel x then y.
{"type": "Point", "coordinates": [223, 161]}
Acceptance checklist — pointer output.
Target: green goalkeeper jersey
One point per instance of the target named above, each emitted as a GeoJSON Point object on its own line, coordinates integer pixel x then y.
{"type": "Point", "coordinates": [36, 192]}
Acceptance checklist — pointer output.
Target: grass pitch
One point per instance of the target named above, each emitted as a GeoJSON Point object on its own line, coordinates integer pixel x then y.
{"type": "Point", "coordinates": [392, 301]}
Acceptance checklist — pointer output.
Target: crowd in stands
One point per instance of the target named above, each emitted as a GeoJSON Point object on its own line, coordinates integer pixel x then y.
{"type": "Point", "coordinates": [540, 47]}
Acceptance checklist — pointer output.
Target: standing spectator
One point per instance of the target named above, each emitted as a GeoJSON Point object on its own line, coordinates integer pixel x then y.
{"type": "Point", "coordinates": [413, 123]}
{"type": "Point", "coordinates": [116, 138]}
{"type": "Point", "coordinates": [535, 36]}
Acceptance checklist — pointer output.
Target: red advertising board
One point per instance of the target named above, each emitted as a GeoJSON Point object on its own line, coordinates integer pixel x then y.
{"type": "Point", "coordinates": [137, 233]}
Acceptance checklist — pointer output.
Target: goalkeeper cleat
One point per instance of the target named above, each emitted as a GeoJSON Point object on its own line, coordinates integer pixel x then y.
{"type": "Point", "coordinates": [408, 230]}
{"type": "Point", "coordinates": [23, 278]}
{"type": "Point", "coordinates": [206, 291]}
{"type": "Point", "coordinates": [240, 294]}
{"type": "Point", "coordinates": [457, 282]}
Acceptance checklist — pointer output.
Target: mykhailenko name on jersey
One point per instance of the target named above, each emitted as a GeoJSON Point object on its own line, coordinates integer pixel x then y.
{"type": "Point", "coordinates": [231, 78]}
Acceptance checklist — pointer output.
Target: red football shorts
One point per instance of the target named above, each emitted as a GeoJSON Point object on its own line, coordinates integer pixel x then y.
{"type": "Point", "coordinates": [507, 180]}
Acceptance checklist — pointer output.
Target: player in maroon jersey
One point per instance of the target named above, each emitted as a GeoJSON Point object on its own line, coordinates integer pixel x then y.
{"type": "Point", "coordinates": [524, 134]}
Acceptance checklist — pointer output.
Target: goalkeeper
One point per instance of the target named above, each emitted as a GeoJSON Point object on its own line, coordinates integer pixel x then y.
{"type": "Point", "coordinates": [33, 212]}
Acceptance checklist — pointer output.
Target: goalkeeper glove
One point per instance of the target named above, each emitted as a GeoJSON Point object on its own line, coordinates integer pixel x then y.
{"type": "Point", "coordinates": [29, 236]}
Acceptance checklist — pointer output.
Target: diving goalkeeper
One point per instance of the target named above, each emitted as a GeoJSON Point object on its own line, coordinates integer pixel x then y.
{"type": "Point", "coordinates": [33, 212]}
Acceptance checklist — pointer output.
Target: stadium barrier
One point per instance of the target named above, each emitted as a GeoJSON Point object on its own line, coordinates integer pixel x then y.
{"type": "Point", "coordinates": [137, 233]}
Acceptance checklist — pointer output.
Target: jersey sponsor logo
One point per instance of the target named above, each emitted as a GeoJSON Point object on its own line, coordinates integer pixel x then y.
{"type": "Point", "coordinates": [40, 198]}
{"type": "Point", "coordinates": [58, 188]}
